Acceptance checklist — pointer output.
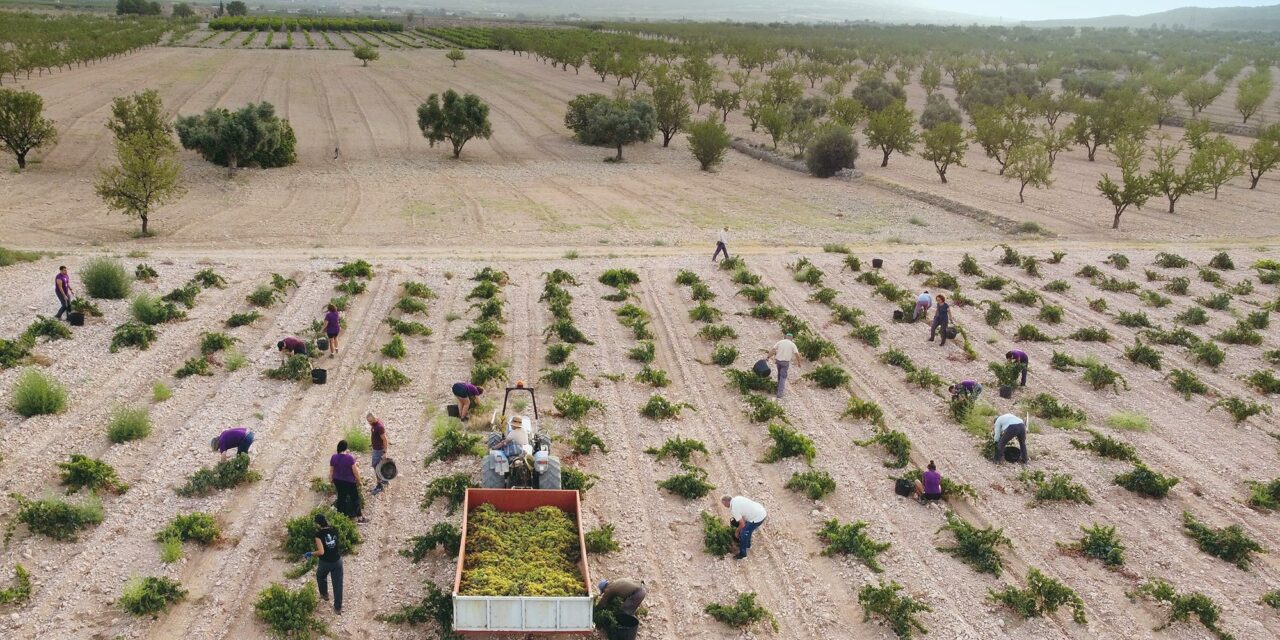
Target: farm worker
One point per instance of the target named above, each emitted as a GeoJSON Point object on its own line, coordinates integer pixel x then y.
{"type": "Point", "coordinates": [782, 352]}
{"type": "Point", "coordinates": [941, 318]}
{"type": "Point", "coordinates": [346, 482]}
{"type": "Point", "coordinates": [62, 287]}
{"type": "Point", "coordinates": [722, 244]}
{"type": "Point", "coordinates": [465, 392]}
{"type": "Point", "coordinates": [929, 486]}
{"type": "Point", "coordinates": [292, 345]}
{"type": "Point", "coordinates": [1019, 356]}
{"type": "Point", "coordinates": [1008, 427]}
{"type": "Point", "coordinates": [329, 554]}
{"type": "Point", "coordinates": [968, 390]}
{"type": "Point", "coordinates": [923, 302]}
{"type": "Point", "coordinates": [378, 440]}
{"type": "Point", "coordinates": [238, 438]}
{"type": "Point", "coordinates": [630, 592]}
{"type": "Point", "coordinates": [332, 327]}
{"type": "Point", "coordinates": [747, 515]}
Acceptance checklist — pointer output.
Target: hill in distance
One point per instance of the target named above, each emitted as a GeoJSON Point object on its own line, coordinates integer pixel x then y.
{"type": "Point", "coordinates": [1199, 18]}
{"type": "Point", "coordinates": [736, 10]}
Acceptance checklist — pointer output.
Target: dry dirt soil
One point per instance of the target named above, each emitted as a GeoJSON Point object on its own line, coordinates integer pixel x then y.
{"type": "Point", "coordinates": [520, 201]}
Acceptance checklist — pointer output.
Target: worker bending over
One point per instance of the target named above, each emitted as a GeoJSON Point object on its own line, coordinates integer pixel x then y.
{"type": "Point", "coordinates": [629, 592]}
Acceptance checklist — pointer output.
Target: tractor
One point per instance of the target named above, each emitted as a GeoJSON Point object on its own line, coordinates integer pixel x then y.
{"type": "Point", "coordinates": [519, 456]}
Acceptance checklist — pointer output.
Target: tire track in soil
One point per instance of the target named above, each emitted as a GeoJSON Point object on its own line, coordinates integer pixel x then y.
{"type": "Point", "coordinates": [293, 456]}
{"type": "Point", "coordinates": [363, 115]}
{"type": "Point", "coordinates": [407, 129]}
{"type": "Point", "coordinates": [783, 557]}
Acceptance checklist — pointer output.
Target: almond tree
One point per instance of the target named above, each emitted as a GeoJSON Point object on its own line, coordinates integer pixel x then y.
{"type": "Point", "coordinates": [890, 130]}
{"type": "Point", "coordinates": [997, 130]}
{"type": "Point", "coordinates": [945, 145]}
{"type": "Point", "coordinates": [22, 125]}
{"type": "Point", "coordinates": [1165, 177]}
{"type": "Point", "coordinates": [1029, 165]}
{"type": "Point", "coordinates": [1134, 188]}
{"type": "Point", "coordinates": [1264, 154]}
{"type": "Point", "coordinates": [1218, 162]}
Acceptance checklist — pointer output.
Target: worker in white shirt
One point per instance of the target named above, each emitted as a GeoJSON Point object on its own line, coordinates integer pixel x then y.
{"type": "Point", "coordinates": [782, 353]}
{"type": "Point", "coordinates": [747, 516]}
{"type": "Point", "coordinates": [1006, 428]}
{"type": "Point", "coordinates": [923, 302]}
{"type": "Point", "coordinates": [722, 244]}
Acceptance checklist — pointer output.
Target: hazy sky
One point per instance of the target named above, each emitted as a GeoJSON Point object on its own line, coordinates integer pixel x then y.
{"type": "Point", "coordinates": [1047, 9]}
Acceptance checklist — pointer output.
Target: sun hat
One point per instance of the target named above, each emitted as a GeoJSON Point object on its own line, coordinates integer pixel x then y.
{"type": "Point", "coordinates": [602, 585]}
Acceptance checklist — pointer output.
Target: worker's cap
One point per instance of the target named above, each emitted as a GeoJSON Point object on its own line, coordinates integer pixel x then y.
{"type": "Point", "coordinates": [790, 335]}
{"type": "Point", "coordinates": [602, 585]}
{"type": "Point", "coordinates": [213, 444]}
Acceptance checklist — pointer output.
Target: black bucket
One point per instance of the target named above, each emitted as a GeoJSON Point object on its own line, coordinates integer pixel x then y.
{"type": "Point", "coordinates": [76, 319]}
{"type": "Point", "coordinates": [452, 411]}
{"type": "Point", "coordinates": [319, 376]}
{"type": "Point", "coordinates": [625, 629]}
{"type": "Point", "coordinates": [761, 368]}
{"type": "Point", "coordinates": [952, 332]}
{"type": "Point", "coordinates": [1006, 391]}
{"type": "Point", "coordinates": [322, 344]}
{"type": "Point", "coordinates": [898, 315]}
{"type": "Point", "coordinates": [1012, 453]}
{"type": "Point", "coordinates": [876, 263]}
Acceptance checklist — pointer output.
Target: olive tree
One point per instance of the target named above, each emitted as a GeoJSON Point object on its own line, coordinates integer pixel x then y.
{"type": "Point", "coordinates": [598, 120]}
{"type": "Point", "coordinates": [251, 136]}
{"type": "Point", "coordinates": [945, 145]}
{"type": "Point", "coordinates": [831, 148]}
{"type": "Point", "coordinates": [455, 118]}
{"type": "Point", "coordinates": [23, 126]}
{"type": "Point", "coordinates": [890, 130]}
{"type": "Point", "coordinates": [708, 141]}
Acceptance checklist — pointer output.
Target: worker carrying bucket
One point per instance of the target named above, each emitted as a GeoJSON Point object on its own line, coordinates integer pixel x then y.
{"type": "Point", "coordinates": [629, 594]}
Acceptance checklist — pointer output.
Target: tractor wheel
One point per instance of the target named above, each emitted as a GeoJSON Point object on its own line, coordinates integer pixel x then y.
{"type": "Point", "coordinates": [490, 479]}
{"type": "Point", "coordinates": [550, 479]}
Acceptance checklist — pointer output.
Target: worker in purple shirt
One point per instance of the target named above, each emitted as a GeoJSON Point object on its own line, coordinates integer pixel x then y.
{"type": "Point", "coordinates": [466, 393]}
{"type": "Point", "coordinates": [238, 438]}
{"type": "Point", "coordinates": [346, 483]}
{"type": "Point", "coordinates": [332, 327]}
{"type": "Point", "coordinates": [929, 486]}
{"type": "Point", "coordinates": [968, 390]}
{"type": "Point", "coordinates": [292, 345]}
{"type": "Point", "coordinates": [62, 287]}
{"type": "Point", "coordinates": [1021, 357]}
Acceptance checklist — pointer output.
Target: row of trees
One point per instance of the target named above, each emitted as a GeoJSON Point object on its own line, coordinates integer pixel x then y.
{"type": "Point", "coordinates": [30, 42]}
{"type": "Point", "coordinates": [263, 23]}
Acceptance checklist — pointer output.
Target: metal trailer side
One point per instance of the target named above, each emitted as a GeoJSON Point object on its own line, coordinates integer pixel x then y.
{"type": "Point", "coordinates": [520, 614]}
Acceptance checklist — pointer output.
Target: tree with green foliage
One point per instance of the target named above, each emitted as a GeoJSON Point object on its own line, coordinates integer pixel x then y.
{"type": "Point", "coordinates": [726, 101]}
{"type": "Point", "coordinates": [776, 120]}
{"type": "Point", "coordinates": [1252, 92]}
{"type": "Point", "coordinates": [938, 110]}
{"type": "Point", "coordinates": [182, 10]}
{"type": "Point", "coordinates": [831, 149]}
{"type": "Point", "coordinates": [999, 129]}
{"type": "Point", "coordinates": [1263, 155]}
{"type": "Point", "coordinates": [365, 54]}
{"type": "Point", "coordinates": [930, 78]}
{"type": "Point", "coordinates": [137, 8]}
{"type": "Point", "coordinates": [147, 174]}
{"type": "Point", "coordinates": [1134, 188]}
{"type": "Point", "coordinates": [1196, 133]}
{"type": "Point", "coordinates": [944, 146]}
{"type": "Point", "coordinates": [847, 111]}
{"type": "Point", "coordinates": [876, 94]}
{"type": "Point", "coordinates": [23, 126]}
{"type": "Point", "coordinates": [1165, 178]}
{"type": "Point", "coordinates": [237, 8]}
{"type": "Point", "coordinates": [890, 130]}
{"type": "Point", "coordinates": [1200, 94]}
{"type": "Point", "coordinates": [251, 136]}
{"type": "Point", "coordinates": [141, 114]}
{"type": "Point", "coordinates": [455, 55]}
{"type": "Point", "coordinates": [708, 141]}
{"type": "Point", "coordinates": [598, 120]}
{"type": "Point", "coordinates": [455, 118]}
{"type": "Point", "coordinates": [1218, 162]}
{"type": "Point", "coordinates": [670, 108]}
{"type": "Point", "coordinates": [1029, 165]}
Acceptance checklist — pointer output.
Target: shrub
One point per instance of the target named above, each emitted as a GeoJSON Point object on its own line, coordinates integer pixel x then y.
{"type": "Point", "coordinates": [969, 266]}
{"type": "Point", "coordinates": [350, 287]}
{"type": "Point", "coordinates": [128, 423]}
{"type": "Point", "coordinates": [825, 295]}
{"type": "Point", "coordinates": [1240, 334]}
{"type": "Point", "coordinates": [681, 449]}
{"type": "Point", "coordinates": [1218, 301]}
{"type": "Point", "coordinates": [701, 292]}
{"type": "Point", "coordinates": [485, 372]}
{"type": "Point", "coordinates": [10, 257]}
{"type": "Point", "coordinates": [185, 295]}
{"type": "Point", "coordinates": [1171, 261]}
{"type": "Point", "coordinates": [895, 443]}
{"type": "Point", "coordinates": [21, 591]}
{"type": "Point", "coordinates": [408, 328]}
{"type": "Point", "coordinates": [1099, 305]}
{"type": "Point", "coordinates": [1178, 286]}
{"type": "Point", "coordinates": [1043, 596]}
{"type": "Point", "coordinates": [1099, 376]}
{"type": "Point", "coordinates": [1186, 382]}
{"type": "Point", "coordinates": [582, 439]}
{"type": "Point", "coordinates": [789, 443]}
{"type": "Point", "coordinates": [194, 367]}
{"type": "Point", "coordinates": [386, 377]}
{"type": "Point", "coordinates": [1270, 598]}
{"type": "Point", "coordinates": [867, 410]}
{"type": "Point", "coordinates": [558, 353]}
{"type": "Point", "coordinates": [576, 407]}
{"type": "Point", "coordinates": [600, 540]}
{"type": "Point", "coordinates": [869, 334]}
{"type": "Point", "coordinates": [659, 408]}
{"type": "Point", "coordinates": [1032, 333]}
{"type": "Point", "coordinates": [1007, 374]}
{"type": "Point", "coordinates": [995, 313]}
{"type": "Point", "coordinates": [1107, 447]}
{"type": "Point", "coordinates": [762, 409]}
{"type": "Point", "coordinates": [897, 611]}
{"type": "Point", "coordinates": [395, 348]}
{"type": "Point", "coordinates": [1228, 543]}
{"type": "Point", "coordinates": [242, 319]}
{"type": "Point", "coordinates": [1153, 299]}
{"type": "Point", "coordinates": [978, 548]}
{"type": "Point", "coordinates": [1089, 271]}
{"type": "Point", "coordinates": [1183, 606]}
{"type": "Point", "coordinates": [717, 332]}
{"type": "Point", "coordinates": [161, 392]}
{"type": "Point", "coordinates": [443, 535]}
{"type": "Point", "coordinates": [297, 367]}
{"type": "Point", "coordinates": [831, 149]}
{"type": "Point", "coordinates": [1091, 334]}
{"type": "Point", "coordinates": [653, 377]}
{"type": "Point", "coordinates": [357, 269]}
{"type": "Point", "coordinates": [1265, 495]}
{"type": "Point", "coordinates": [81, 472]}
{"type": "Point", "coordinates": [208, 278]}
{"type": "Point", "coordinates": [226, 474]}
{"type": "Point", "coordinates": [1264, 382]}
{"type": "Point", "coordinates": [1056, 488]}
{"type": "Point", "coordinates": [1146, 482]}
{"type": "Point", "coordinates": [290, 612]}
{"type": "Point", "coordinates": [724, 355]}
{"type": "Point", "coordinates": [452, 489]}
{"type": "Point", "coordinates": [850, 539]}
{"type": "Point", "coordinates": [1051, 314]}
{"type": "Point", "coordinates": [150, 595]}
{"type": "Point", "coordinates": [264, 296]}
{"type": "Point", "coordinates": [743, 613]}
{"type": "Point", "coordinates": [1257, 320]}
{"type": "Point", "coordinates": [563, 377]}
{"type": "Point", "coordinates": [1024, 297]}
{"type": "Point", "coordinates": [1240, 409]}
{"type": "Point", "coordinates": [814, 484]}
{"type": "Point", "coordinates": [48, 328]}
{"type": "Point", "coordinates": [1143, 354]}
{"type": "Point", "coordinates": [1118, 260]}
{"type": "Point", "coordinates": [1208, 353]}
{"type": "Point", "coordinates": [86, 307]}
{"type": "Point", "coordinates": [686, 278]}
{"type": "Point", "coordinates": [449, 441]}
{"type": "Point", "coordinates": [106, 279]}
{"type": "Point", "coordinates": [36, 393]}
{"type": "Point", "coordinates": [58, 519]}
{"type": "Point", "coordinates": [197, 526]}
{"type": "Point", "coordinates": [896, 358]}
{"type": "Point", "coordinates": [691, 485]}
{"type": "Point", "coordinates": [1060, 415]}
{"type": "Point", "coordinates": [618, 278]}
{"type": "Point", "coordinates": [1222, 261]}
{"type": "Point", "coordinates": [828, 376]}
{"type": "Point", "coordinates": [150, 310]}
{"type": "Point", "coordinates": [717, 537]}
{"type": "Point", "coordinates": [1133, 319]}
{"type": "Point", "coordinates": [1101, 543]}
{"type": "Point", "coordinates": [1180, 337]}
{"type": "Point", "coordinates": [1128, 421]}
